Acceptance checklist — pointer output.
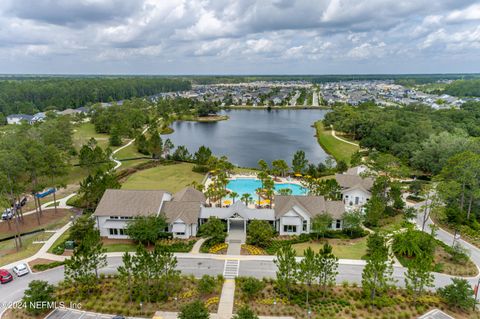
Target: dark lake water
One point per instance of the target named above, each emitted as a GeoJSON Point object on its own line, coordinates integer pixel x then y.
{"type": "Point", "coordinates": [251, 135]}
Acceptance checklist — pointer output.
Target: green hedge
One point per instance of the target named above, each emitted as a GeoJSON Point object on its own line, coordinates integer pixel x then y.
{"type": "Point", "coordinates": [42, 267]}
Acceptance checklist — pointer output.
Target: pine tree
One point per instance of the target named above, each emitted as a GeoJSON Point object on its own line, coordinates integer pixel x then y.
{"type": "Point", "coordinates": [378, 271]}
{"type": "Point", "coordinates": [327, 264]}
{"type": "Point", "coordinates": [287, 268]}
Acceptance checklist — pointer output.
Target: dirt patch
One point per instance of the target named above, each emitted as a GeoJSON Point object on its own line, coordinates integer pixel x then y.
{"type": "Point", "coordinates": [49, 219]}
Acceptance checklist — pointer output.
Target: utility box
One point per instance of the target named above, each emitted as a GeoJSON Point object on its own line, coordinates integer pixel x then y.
{"type": "Point", "coordinates": [69, 244]}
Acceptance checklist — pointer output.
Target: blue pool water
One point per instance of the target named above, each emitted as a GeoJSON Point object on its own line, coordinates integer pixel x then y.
{"type": "Point", "coordinates": [249, 185]}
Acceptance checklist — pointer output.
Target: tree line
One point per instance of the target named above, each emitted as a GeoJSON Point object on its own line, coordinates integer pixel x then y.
{"type": "Point", "coordinates": [33, 95]}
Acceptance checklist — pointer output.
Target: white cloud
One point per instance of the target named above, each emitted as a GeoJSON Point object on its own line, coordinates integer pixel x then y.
{"type": "Point", "coordinates": [246, 35]}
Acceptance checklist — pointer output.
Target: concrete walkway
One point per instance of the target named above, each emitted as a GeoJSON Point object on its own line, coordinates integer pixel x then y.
{"type": "Point", "coordinates": [341, 139]}
{"type": "Point", "coordinates": [234, 248]}
{"type": "Point", "coordinates": [197, 245]}
{"type": "Point", "coordinates": [117, 162]}
{"type": "Point", "coordinates": [225, 306]}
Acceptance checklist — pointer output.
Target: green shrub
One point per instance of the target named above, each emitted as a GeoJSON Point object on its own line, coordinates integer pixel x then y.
{"type": "Point", "coordinates": [251, 286]}
{"type": "Point", "coordinates": [42, 267]}
{"type": "Point", "coordinates": [206, 285]}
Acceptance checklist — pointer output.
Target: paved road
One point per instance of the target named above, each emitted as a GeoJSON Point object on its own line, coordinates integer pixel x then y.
{"type": "Point", "coordinates": [13, 290]}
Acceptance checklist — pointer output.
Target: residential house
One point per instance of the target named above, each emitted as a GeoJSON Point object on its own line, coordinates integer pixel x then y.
{"type": "Point", "coordinates": [294, 214]}
{"type": "Point", "coordinates": [355, 187]}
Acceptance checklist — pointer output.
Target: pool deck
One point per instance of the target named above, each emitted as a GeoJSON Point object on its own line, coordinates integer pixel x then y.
{"type": "Point", "coordinates": [279, 180]}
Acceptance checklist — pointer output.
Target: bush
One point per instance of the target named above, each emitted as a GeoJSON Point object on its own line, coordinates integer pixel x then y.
{"type": "Point", "coordinates": [59, 249]}
{"type": "Point", "coordinates": [260, 233]}
{"type": "Point", "coordinates": [245, 313]}
{"type": "Point", "coordinates": [458, 294]}
{"type": "Point", "coordinates": [206, 285]}
{"type": "Point", "coordinates": [251, 286]}
{"type": "Point", "coordinates": [42, 267]}
{"type": "Point", "coordinates": [38, 291]}
{"type": "Point", "coordinates": [194, 310]}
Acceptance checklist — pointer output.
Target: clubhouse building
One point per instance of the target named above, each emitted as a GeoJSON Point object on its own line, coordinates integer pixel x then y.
{"type": "Point", "coordinates": [186, 210]}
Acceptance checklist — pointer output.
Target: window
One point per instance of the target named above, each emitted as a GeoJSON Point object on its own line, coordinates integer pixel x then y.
{"type": "Point", "coordinates": [305, 225]}
{"type": "Point", "coordinates": [338, 225]}
{"type": "Point", "coordinates": [113, 217]}
{"type": "Point", "coordinates": [125, 217]}
{"type": "Point", "coordinates": [179, 234]}
{"type": "Point", "coordinates": [289, 228]}
{"type": "Point", "coordinates": [121, 231]}
{"type": "Point", "coordinates": [113, 231]}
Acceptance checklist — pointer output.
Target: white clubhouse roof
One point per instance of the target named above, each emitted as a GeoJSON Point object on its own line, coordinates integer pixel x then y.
{"type": "Point", "coordinates": [237, 209]}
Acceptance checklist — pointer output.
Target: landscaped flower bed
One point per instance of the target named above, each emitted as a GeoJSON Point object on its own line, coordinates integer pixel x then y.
{"type": "Point", "coordinates": [218, 248]}
{"type": "Point", "coordinates": [252, 250]}
{"type": "Point", "coordinates": [346, 301]}
{"type": "Point", "coordinates": [112, 297]}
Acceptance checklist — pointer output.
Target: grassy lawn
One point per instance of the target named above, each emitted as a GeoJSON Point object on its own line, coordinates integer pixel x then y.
{"type": "Point", "coordinates": [8, 253]}
{"type": "Point", "coordinates": [59, 240]}
{"type": "Point", "coordinates": [171, 178]}
{"type": "Point", "coordinates": [342, 248]}
{"type": "Point", "coordinates": [391, 223]}
{"type": "Point", "coordinates": [129, 152]}
{"type": "Point", "coordinates": [84, 132]}
{"type": "Point", "coordinates": [120, 247]}
{"type": "Point", "coordinates": [338, 149]}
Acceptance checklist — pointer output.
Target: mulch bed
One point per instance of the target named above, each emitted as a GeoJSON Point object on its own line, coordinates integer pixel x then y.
{"type": "Point", "coordinates": [39, 261]}
{"type": "Point", "coordinates": [30, 222]}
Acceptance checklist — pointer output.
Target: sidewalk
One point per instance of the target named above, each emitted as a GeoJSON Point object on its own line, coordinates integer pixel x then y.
{"type": "Point", "coordinates": [197, 245]}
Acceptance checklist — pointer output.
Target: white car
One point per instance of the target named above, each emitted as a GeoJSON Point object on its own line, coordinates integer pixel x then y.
{"type": "Point", "coordinates": [20, 270]}
{"type": "Point", "coordinates": [7, 214]}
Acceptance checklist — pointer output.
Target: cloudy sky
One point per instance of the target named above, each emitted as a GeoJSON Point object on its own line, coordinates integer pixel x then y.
{"type": "Point", "coordinates": [239, 36]}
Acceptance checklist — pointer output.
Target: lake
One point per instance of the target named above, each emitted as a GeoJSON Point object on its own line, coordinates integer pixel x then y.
{"type": "Point", "coordinates": [251, 135]}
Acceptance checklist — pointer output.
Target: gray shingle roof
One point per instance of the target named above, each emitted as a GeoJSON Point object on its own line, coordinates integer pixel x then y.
{"type": "Point", "coordinates": [189, 194]}
{"type": "Point", "coordinates": [186, 211]}
{"type": "Point", "coordinates": [348, 181]}
{"type": "Point", "coordinates": [122, 202]}
{"type": "Point", "coordinates": [313, 205]}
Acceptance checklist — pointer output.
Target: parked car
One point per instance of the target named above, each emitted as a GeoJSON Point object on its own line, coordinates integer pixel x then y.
{"type": "Point", "coordinates": [7, 214]}
{"type": "Point", "coordinates": [23, 201]}
{"type": "Point", "coordinates": [20, 270]}
{"type": "Point", "coordinates": [5, 276]}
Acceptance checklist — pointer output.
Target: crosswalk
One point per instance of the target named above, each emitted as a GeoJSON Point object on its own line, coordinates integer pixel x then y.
{"type": "Point", "coordinates": [231, 268]}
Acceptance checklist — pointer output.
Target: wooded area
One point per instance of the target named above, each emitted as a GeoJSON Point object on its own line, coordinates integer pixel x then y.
{"type": "Point", "coordinates": [33, 95]}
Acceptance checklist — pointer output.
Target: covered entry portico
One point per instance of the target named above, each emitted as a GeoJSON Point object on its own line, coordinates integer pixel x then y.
{"type": "Point", "coordinates": [237, 217]}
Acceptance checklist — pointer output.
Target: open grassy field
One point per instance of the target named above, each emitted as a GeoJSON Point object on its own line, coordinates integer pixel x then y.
{"type": "Point", "coordinates": [129, 152]}
{"type": "Point", "coordinates": [338, 149]}
{"type": "Point", "coordinates": [342, 248]}
{"type": "Point", "coordinates": [84, 132]}
{"type": "Point", "coordinates": [8, 253]}
{"type": "Point", "coordinates": [171, 178]}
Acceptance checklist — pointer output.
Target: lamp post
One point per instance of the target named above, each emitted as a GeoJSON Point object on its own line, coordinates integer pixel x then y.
{"type": "Point", "coordinates": [141, 308]}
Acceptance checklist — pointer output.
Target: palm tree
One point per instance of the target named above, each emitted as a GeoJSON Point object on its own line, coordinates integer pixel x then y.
{"type": "Point", "coordinates": [233, 195]}
{"type": "Point", "coordinates": [246, 198]}
{"type": "Point", "coordinates": [285, 191]}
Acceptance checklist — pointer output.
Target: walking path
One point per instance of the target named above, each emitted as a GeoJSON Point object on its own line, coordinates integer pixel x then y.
{"type": "Point", "coordinates": [197, 245]}
{"type": "Point", "coordinates": [225, 306]}
{"type": "Point", "coordinates": [117, 162]}
{"type": "Point", "coordinates": [342, 139]}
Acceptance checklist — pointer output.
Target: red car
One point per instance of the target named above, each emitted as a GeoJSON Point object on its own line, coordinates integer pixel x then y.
{"type": "Point", "coordinates": [5, 276]}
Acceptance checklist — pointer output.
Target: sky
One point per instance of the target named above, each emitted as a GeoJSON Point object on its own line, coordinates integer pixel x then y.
{"type": "Point", "coordinates": [239, 36]}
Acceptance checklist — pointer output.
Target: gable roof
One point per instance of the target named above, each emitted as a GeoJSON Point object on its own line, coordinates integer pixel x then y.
{"type": "Point", "coordinates": [186, 211]}
{"type": "Point", "coordinates": [349, 181]}
{"type": "Point", "coordinates": [237, 208]}
{"type": "Point", "coordinates": [189, 194]}
{"type": "Point", "coordinates": [122, 202]}
{"type": "Point", "coordinates": [312, 205]}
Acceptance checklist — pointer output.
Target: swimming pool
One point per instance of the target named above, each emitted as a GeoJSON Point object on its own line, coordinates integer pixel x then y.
{"type": "Point", "coordinates": [249, 185]}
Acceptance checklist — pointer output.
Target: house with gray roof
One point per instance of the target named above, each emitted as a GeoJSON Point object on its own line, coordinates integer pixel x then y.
{"type": "Point", "coordinates": [294, 214]}
{"type": "Point", "coordinates": [355, 187]}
